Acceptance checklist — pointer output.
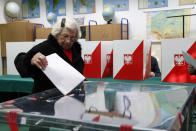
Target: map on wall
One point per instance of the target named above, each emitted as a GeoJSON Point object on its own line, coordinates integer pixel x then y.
{"type": "Point", "coordinates": [30, 9]}
{"type": "Point", "coordinates": [145, 4]}
{"type": "Point", "coordinates": [80, 20]}
{"type": "Point", "coordinates": [118, 5]}
{"type": "Point", "coordinates": [160, 27]}
{"type": "Point", "coordinates": [56, 6]}
{"type": "Point", "coordinates": [84, 7]}
{"type": "Point", "coordinates": [187, 2]}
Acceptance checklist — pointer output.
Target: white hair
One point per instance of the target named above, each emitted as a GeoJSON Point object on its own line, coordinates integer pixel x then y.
{"type": "Point", "coordinates": [70, 24]}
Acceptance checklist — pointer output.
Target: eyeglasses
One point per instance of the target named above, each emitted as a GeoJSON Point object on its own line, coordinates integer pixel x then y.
{"type": "Point", "coordinates": [66, 37]}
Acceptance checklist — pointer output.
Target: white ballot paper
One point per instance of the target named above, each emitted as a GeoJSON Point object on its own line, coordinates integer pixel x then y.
{"type": "Point", "coordinates": [189, 59]}
{"type": "Point", "coordinates": [62, 74]}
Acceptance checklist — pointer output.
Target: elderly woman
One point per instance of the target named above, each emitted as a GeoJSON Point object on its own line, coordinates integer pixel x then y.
{"type": "Point", "coordinates": [63, 41]}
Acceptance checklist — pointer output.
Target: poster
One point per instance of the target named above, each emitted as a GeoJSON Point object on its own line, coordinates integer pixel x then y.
{"type": "Point", "coordinates": [118, 5]}
{"type": "Point", "coordinates": [30, 9]}
{"type": "Point", "coordinates": [84, 7]}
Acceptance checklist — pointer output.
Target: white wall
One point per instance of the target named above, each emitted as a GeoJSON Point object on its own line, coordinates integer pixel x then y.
{"type": "Point", "coordinates": [137, 18]}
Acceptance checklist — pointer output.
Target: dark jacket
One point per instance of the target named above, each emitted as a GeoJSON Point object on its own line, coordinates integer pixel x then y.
{"type": "Point", "coordinates": [194, 73]}
{"type": "Point", "coordinates": [155, 67]}
{"type": "Point", "coordinates": [41, 81]}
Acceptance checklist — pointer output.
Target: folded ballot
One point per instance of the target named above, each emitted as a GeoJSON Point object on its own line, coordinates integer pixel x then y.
{"type": "Point", "coordinates": [189, 59]}
{"type": "Point", "coordinates": [62, 74]}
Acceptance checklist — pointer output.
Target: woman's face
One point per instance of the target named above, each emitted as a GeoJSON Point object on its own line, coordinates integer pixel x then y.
{"type": "Point", "coordinates": [66, 38]}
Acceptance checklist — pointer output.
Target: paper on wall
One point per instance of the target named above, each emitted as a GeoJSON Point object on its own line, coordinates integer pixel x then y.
{"type": "Point", "coordinates": [62, 74]}
{"type": "Point", "coordinates": [189, 59]}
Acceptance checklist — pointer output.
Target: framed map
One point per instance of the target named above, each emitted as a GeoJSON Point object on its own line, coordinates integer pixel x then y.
{"type": "Point", "coordinates": [187, 2]}
{"type": "Point", "coordinates": [160, 27]}
{"type": "Point", "coordinates": [145, 4]}
{"type": "Point", "coordinates": [118, 5]}
{"type": "Point", "coordinates": [80, 20]}
{"type": "Point", "coordinates": [84, 7]}
{"type": "Point", "coordinates": [56, 6]}
{"type": "Point", "coordinates": [30, 9]}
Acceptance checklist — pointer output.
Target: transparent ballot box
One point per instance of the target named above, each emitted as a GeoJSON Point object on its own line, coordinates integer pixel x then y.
{"type": "Point", "coordinates": [100, 106]}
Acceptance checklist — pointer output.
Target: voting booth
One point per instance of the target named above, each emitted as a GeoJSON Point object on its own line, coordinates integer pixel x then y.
{"type": "Point", "coordinates": [131, 59]}
{"type": "Point", "coordinates": [12, 50]}
{"type": "Point", "coordinates": [174, 65]}
{"type": "Point", "coordinates": [16, 31]}
{"type": "Point", "coordinates": [106, 32]}
{"type": "Point", "coordinates": [42, 33]}
{"type": "Point", "coordinates": [97, 57]}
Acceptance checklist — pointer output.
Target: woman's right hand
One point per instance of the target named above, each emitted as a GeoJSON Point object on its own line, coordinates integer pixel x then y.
{"type": "Point", "coordinates": [39, 60]}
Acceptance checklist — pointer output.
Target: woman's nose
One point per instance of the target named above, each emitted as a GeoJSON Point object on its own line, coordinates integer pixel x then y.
{"type": "Point", "coordinates": [68, 39]}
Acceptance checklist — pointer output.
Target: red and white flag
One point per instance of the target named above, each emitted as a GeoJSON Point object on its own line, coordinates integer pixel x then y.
{"type": "Point", "coordinates": [131, 59]}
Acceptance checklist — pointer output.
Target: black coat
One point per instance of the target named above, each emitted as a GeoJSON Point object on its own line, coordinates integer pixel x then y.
{"type": "Point", "coordinates": [41, 81]}
{"type": "Point", "coordinates": [155, 67]}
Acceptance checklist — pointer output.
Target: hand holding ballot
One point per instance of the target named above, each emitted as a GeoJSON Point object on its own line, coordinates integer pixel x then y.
{"type": "Point", "coordinates": [39, 60]}
{"type": "Point", "coordinates": [62, 74]}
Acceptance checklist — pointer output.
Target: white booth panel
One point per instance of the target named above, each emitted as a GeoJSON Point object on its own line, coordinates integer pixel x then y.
{"type": "Point", "coordinates": [12, 49]}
